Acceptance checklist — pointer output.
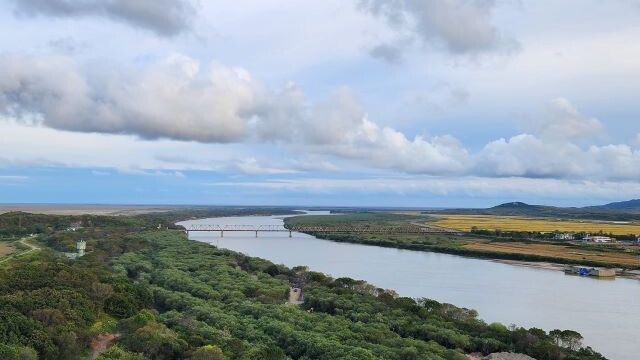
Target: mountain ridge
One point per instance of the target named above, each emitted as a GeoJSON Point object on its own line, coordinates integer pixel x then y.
{"type": "Point", "coordinates": [617, 211]}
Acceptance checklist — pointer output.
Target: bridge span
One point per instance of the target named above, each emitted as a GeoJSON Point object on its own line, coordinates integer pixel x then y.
{"type": "Point", "coordinates": [345, 229]}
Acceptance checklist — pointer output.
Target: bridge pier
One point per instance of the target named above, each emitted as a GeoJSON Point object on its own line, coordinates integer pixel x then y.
{"type": "Point", "coordinates": [221, 233]}
{"type": "Point", "coordinates": [256, 233]}
{"type": "Point", "coordinates": [289, 233]}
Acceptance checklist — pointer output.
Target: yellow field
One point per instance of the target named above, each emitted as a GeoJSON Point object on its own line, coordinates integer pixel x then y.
{"type": "Point", "coordinates": [506, 223]}
{"type": "Point", "coordinates": [558, 251]}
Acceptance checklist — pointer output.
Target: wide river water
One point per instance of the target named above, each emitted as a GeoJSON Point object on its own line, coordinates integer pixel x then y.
{"type": "Point", "coordinates": [605, 312]}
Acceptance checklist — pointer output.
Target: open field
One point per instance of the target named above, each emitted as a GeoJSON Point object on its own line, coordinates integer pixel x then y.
{"type": "Point", "coordinates": [506, 223]}
{"type": "Point", "coordinates": [6, 248]}
{"type": "Point", "coordinates": [557, 251]}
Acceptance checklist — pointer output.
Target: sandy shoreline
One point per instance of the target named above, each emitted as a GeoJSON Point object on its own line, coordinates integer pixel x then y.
{"type": "Point", "coordinates": [558, 267]}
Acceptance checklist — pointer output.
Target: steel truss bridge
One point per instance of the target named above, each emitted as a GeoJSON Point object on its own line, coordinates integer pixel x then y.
{"type": "Point", "coordinates": [346, 229]}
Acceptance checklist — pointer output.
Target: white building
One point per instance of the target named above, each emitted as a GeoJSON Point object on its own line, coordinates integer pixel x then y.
{"type": "Point", "coordinates": [598, 239]}
{"type": "Point", "coordinates": [80, 248]}
{"type": "Point", "coordinates": [564, 236]}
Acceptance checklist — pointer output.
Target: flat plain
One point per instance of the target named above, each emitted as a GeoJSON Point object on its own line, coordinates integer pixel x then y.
{"type": "Point", "coordinates": [629, 259]}
{"type": "Point", "coordinates": [508, 223]}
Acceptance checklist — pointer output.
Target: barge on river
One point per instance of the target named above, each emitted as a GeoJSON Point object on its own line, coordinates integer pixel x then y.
{"type": "Point", "coordinates": [595, 272]}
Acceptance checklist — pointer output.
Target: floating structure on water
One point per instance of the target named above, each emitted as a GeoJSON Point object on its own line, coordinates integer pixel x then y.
{"type": "Point", "coordinates": [585, 271]}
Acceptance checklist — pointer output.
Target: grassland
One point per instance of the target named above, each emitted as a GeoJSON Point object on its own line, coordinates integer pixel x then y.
{"type": "Point", "coordinates": [507, 223]}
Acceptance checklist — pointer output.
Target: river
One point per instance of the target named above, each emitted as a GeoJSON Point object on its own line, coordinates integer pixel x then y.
{"type": "Point", "coordinates": [605, 312]}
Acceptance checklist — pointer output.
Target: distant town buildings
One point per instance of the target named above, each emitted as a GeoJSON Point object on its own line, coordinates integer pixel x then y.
{"type": "Point", "coordinates": [598, 239]}
{"type": "Point", "coordinates": [75, 226]}
{"type": "Point", "coordinates": [564, 236]}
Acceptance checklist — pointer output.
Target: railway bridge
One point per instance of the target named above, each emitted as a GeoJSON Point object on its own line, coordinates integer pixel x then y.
{"type": "Point", "coordinates": [311, 229]}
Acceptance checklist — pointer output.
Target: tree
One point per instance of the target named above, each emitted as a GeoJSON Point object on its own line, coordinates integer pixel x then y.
{"type": "Point", "coordinates": [118, 353]}
{"type": "Point", "coordinates": [156, 341]}
{"type": "Point", "coordinates": [120, 306]}
{"type": "Point", "coordinates": [208, 352]}
{"type": "Point", "coordinates": [17, 352]}
{"type": "Point", "coordinates": [556, 335]}
{"type": "Point", "coordinates": [572, 339]}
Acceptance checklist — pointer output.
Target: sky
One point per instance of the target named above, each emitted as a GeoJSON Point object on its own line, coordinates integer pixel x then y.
{"type": "Point", "coordinates": [394, 103]}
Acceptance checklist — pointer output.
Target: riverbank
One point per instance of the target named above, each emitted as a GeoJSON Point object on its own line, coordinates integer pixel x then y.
{"type": "Point", "coordinates": [633, 275]}
{"type": "Point", "coordinates": [468, 245]}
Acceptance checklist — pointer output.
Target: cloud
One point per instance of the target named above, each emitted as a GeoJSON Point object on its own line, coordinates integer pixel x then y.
{"type": "Point", "coordinates": [179, 99]}
{"type": "Point", "coordinates": [138, 171]}
{"type": "Point", "coordinates": [565, 122]}
{"type": "Point", "coordinates": [67, 45]}
{"type": "Point", "coordinates": [553, 150]}
{"type": "Point", "coordinates": [460, 27]}
{"type": "Point", "coordinates": [172, 99]}
{"type": "Point", "coordinates": [163, 17]}
{"type": "Point", "coordinates": [13, 178]}
{"type": "Point", "coordinates": [389, 52]}
{"type": "Point", "coordinates": [530, 156]}
{"type": "Point", "coordinates": [252, 166]}
{"type": "Point", "coordinates": [468, 186]}
{"type": "Point", "coordinates": [338, 126]}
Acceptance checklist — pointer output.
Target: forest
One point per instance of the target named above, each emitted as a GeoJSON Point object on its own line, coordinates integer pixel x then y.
{"type": "Point", "coordinates": [154, 294]}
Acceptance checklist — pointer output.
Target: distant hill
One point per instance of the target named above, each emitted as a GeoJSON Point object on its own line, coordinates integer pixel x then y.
{"type": "Point", "coordinates": [631, 205]}
{"type": "Point", "coordinates": [622, 211]}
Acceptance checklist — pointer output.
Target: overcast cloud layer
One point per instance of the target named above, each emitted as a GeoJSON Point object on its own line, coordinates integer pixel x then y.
{"type": "Point", "coordinates": [287, 101]}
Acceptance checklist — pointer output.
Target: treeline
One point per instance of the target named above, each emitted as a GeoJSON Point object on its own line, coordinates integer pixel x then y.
{"type": "Point", "coordinates": [169, 218]}
{"type": "Point", "coordinates": [19, 223]}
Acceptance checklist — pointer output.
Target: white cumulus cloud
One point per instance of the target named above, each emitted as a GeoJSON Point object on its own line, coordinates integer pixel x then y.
{"type": "Point", "coordinates": [566, 122]}
{"type": "Point", "coordinates": [175, 98]}
{"type": "Point", "coordinates": [180, 99]}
